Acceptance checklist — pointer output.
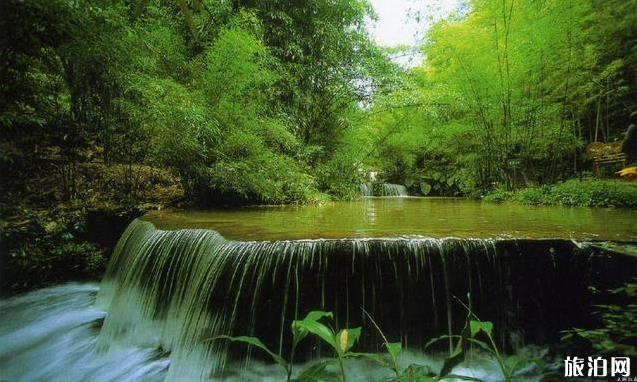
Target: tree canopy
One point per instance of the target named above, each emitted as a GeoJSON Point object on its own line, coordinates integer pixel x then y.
{"type": "Point", "coordinates": [510, 85]}
{"type": "Point", "coordinates": [254, 101]}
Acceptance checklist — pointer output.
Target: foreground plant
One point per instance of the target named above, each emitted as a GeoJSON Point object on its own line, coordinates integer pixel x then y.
{"type": "Point", "coordinates": [475, 332]}
{"type": "Point", "coordinates": [479, 333]}
{"type": "Point", "coordinates": [617, 334]}
{"type": "Point", "coordinates": [340, 341]}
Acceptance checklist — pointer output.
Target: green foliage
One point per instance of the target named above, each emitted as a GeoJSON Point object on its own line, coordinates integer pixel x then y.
{"type": "Point", "coordinates": [218, 134]}
{"type": "Point", "coordinates": [617, 333]}
{"type": "Point", "coordinates": [46, 248]}
{"type": "Point", "coordinates": [260, 101]}
{"type": "Point", "coordinates": [480, 334]}
{"type": "Point", "coordinates": [393, 349]}
{"type": "Point", "coordinates": [505, 82]}
{"type": "Point", "coordinates": [498, 195]}
{"type": "Point", "coordinates": [341, 343]}
{"type": "Point", "coordinates": [579, 193]}
{"type": "Point", "coordinates": [253, 341]}
{"type": "Point", "coordinates": [475, 333]}
{"type": "Point", "coordinates": [246, 102]}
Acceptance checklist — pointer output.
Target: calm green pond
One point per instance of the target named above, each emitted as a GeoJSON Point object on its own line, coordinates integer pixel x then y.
{"type": "Point", "coordinates": [391, 217]}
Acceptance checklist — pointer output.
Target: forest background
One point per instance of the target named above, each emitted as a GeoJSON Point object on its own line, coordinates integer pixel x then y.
{"type": "Point", "coordinates": [112, 107]}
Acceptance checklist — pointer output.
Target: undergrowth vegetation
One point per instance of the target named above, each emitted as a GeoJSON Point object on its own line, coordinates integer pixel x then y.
{"type": "Point", "coordinates": [579, 193]}
{"type": "Point", "coordinates": [477, 335]}
{"type": "Point", "coordinates": [616, 334]}
{"type": "Point", "coordinates": [45, 250]}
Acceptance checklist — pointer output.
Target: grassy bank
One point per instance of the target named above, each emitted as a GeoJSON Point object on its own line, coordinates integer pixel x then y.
{"type": "Point", "coordinates": [574, 192]}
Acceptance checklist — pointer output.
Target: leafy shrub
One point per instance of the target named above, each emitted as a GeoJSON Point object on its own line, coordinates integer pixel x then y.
{"type": "Point", "coordinates": [617, 334]}
{"type": "Point", "coordinates": [476, 333]}
{"type": "Point", "coordinates": [340, 342]}
{"type": "Point", "coordinates": [278, 180]}
{"type": "Point", "coordinates": [336, 178]}
{"type": "Point", "coordinates": [47, 247]}
{"type": "Point", "coordinates": [498, 196]}
{"type": "Point", "coordinates": [532, 195]}
{"type": "Point", "coordinates": [580, 193]}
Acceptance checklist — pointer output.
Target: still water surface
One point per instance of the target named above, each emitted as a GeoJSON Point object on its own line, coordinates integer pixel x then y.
{"type": "Point", "coordinates": [391, 217]}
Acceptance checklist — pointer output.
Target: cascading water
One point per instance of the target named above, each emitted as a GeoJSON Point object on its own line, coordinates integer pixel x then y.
{"type": "Point", "coordinates": [383, 189]}
{"type": "Point", "coordinates": [166, 292]}
{"type": "Point", "coordinates": [390, 189]}
{"type": "Point", "coordinates": [51, 335]}
{"type": "Point", "coordinates": [366, 189]}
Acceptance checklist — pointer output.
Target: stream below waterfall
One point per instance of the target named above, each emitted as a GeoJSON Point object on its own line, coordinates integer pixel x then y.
{"type": "Point", "coordinates": [51, 335]}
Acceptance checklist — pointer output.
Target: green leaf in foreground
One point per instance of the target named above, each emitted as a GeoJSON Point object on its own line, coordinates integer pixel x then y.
{"type": "Point", "coordinates": [317, 373]}
{"type": "Point", "coordinates": [477, 326]}
{"type": "Point", "coordinates": [253, 341]}
{"type": "Point", "coordinates": [394, 349]}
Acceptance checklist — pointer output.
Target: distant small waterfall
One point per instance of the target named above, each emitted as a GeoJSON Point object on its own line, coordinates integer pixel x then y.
{"type": "Point", "coordinates": [366, 189]}
{"type": "Point", "coordinates": [383, 189]}
{"type": "Point", "coordinates": [390, 189]}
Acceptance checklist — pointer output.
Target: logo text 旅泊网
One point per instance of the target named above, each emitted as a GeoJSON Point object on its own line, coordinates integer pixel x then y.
{"type": "Point", "coordinates": [597, 367]}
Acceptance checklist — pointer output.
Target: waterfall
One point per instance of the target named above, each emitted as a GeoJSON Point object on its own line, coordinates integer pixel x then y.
{"type": "Point", "coordinates": [390, 189]}
{"type": "Point", "coordinates": [174, 289]}
{"type": "Point", "coordinates": [50, 335]}
{"type": "Point", "coordinates": [383, 189]}
{"type": "Point", "coordinates": [366, 189]}
{"type": "Point", "coordinates": [166, 293]}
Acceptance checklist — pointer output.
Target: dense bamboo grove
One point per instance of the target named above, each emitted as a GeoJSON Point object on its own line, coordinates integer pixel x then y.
{"type": "Point", "coordinates": [266, 101]}
{"type": "Point", "coordinates": [115, 107]}
{"type": "Point", "coordinates": [510, 85]}
{"type": "Point", "coordinates": [243, 101]}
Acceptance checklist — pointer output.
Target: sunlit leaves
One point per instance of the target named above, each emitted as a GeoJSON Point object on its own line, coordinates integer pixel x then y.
{"type": "Point", "coordinates": [508, 79]}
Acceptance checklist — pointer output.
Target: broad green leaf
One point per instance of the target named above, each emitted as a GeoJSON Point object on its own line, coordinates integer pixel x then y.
{"type": "Point", "coordinates": [299, 332]}
{"type": "Point", "coordinates": [317, 315]}
{"type": "Point", "coordinates": [477, 326]}
{"type": "Point", "coordinates": [374, 357]}
{"type": "Point", "coordinates": [481, 344]}
{"type": "Point", "coordinates": [425, 188]}
{"type": "Point", "coordinates": [318, 329]}
{"type": "Point", "coordinates": [514, 362]}
{"type": "Point", "coordinates": [433, 341]}
{"type": "Point", "coordinates": [317, 373]}
{"type": "Point", "coordinates": [459, 353]}
{"type": "Point", "coordinates": [394, 349]}
{"type": "Point", "coordinates": [253, 341]}
{"type": "Point", "coordinates": [455, 359]}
